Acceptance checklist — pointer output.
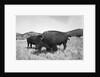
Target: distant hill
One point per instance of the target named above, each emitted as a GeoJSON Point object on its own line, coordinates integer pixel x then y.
{"type": "Point", "coordinates": [20, 36]}
{"type": "Point", "coordinates": [28, 34]}
{"type": "Point", "coordinates": [75, 32]}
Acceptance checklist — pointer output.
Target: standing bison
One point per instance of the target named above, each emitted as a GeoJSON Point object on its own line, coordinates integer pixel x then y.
{"type": "Point", "coordinates": [52, 39]}
{"type": "Point", "coordinates": [32, 40]}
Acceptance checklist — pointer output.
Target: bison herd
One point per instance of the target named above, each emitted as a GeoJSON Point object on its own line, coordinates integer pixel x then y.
{"type": "Point", "coordinates": [50, 39]}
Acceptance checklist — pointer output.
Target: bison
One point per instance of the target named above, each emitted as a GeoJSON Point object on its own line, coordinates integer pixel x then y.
{"type": "Point", "coordinates": [53, 38]}
{"type": "Point", "coordinates": [37, 42]}
{"type": "Point", "coordinates": [32, 40]}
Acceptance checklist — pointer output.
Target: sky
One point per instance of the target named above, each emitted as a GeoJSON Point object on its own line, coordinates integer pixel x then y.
{"type": "Point", "coordinates": [36, 23]}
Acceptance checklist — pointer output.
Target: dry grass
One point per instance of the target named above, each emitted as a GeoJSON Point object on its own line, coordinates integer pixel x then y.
{"type": "Point", "coordinates": [74, 51]}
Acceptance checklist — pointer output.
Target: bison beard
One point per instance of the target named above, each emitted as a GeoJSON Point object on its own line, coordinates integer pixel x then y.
{"type": "Point", "coordinates": [42, 44]}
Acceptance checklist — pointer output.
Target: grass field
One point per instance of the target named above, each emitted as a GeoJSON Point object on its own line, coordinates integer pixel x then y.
{"type": "Point", "coordinates": [73, 51]}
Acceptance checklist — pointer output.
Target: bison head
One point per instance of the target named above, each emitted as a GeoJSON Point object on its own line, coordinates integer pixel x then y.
{"type": "Point", "coordinates": [38, 38]}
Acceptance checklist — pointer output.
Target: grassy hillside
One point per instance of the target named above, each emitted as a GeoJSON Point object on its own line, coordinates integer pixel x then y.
{"type": "Point", "coordinates": [74, 51]}
{"type": "Point", "coordinates": [75, 32]}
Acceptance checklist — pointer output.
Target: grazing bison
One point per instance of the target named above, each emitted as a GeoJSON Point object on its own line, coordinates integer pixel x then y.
{"type": "Point", "coordinates": [52, 39]}
{"type": "Point", "coordinates": [76, 32]}
{"type": "Point", "coordinates": [32, 40]}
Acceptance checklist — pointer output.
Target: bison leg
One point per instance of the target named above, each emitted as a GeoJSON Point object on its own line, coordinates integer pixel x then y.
{"type": "Point", "coordinates": [28, 44]}
{"type": "Point", "coordinates": [64, 45]}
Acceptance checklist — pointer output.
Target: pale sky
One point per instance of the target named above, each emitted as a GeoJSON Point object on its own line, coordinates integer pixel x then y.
{"type": "Point", "coordinates": [43, 23]}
